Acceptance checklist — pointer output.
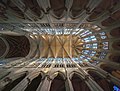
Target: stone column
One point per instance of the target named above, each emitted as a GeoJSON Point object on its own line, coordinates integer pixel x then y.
{"type": "Point", "coordinates": [45, 85]}
{"type": "Point", "coordinates": [69, 85]}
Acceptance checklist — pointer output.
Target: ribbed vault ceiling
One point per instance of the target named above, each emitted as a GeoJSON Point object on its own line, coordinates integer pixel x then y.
{"type": "Point", "coordinates": [64, 28]}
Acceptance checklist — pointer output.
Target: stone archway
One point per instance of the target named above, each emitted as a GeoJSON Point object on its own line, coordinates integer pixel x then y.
{"type": "Point", "coordinates": [102, 82]}
{"type": "Point", "coordinates": [33, 85]}
{"type": "Point", "coordinates": [79, 84]}
{"type": "Point", "coordinates": [58, 84]}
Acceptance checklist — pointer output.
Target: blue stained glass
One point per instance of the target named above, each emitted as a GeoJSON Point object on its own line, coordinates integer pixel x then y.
{"type": "Point", "coordinates": [115, 88]}
{"type": "Point", "coordinates": [103, 37]}
{"type": "Point", "coordinates": [102, 33]}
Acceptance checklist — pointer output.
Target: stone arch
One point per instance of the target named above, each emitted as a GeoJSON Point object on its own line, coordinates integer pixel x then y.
{"type": "Point", "coordinates": [4, 47]}
{"type": "Point", "coordinates": [58, 83]}
{"type": "Point", "coordinates": [16, 11]}
{"type": "Point", "coordinates": [78, 82]}
{"type": "Point", "coordinates": [102, 82]}
{"type": "Point", "coordinates": [34, 83]}
{"type": "Point", "coordinates": [34, 7]}
{"type": "Point", "coordinates": [111, 70]}
{"type": "Point", "coordinates": [19, 46]}
{"type": "Point", "coordinates": [42, 73]}
{"type": "Point", "coordinates": [96, 71]}
{"type": "Point", "coordinates": [78, 6]}
{"type": "Point", "coordinates": [100, 9]}
{"type": "Point", "coordinates": [78, 73]}
{"type": "Point", "coordinates": [33, 47]}
{"type": "Point", "coordinates": [4, 74]}
{"type": "Point", "coordinates": [12, 82]}
{"type": "Point", "coordinates": [35, 74]}
{"type": "Point", "coordinates": [53, 75]}
{"type": "Point", "coordinates": [112, 19]}
{"type": "Point", "coordinates": [58, 9]}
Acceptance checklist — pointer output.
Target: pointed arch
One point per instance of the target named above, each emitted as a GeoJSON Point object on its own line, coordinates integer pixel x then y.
{"type": "Point", "coordinates": [58, 83]}
{"type": "Point", "coordinates": [56, 73]}
{"type": "Point", "coordinates": [13, 83]}
{"type": "Point", "coordinates": [78, 83]}
{"type": "Point", "coordinates": [102, 82]}
{"type": "Point", "coordinates": [34, 83]}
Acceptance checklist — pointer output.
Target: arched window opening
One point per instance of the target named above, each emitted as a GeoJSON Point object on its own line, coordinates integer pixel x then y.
{"type": "Point", "coordinates": [34, 83]}
{"type": "Point", "coordinates": [103, 83]}
{"type": "Point", "coordinates": [58, 84]}
{"type": "Point", "coordinates": [79, 84]}
{"type": "Point", "coordinates": [12, 84]}
{"type": "Point", "coordinates": [58, 8]}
